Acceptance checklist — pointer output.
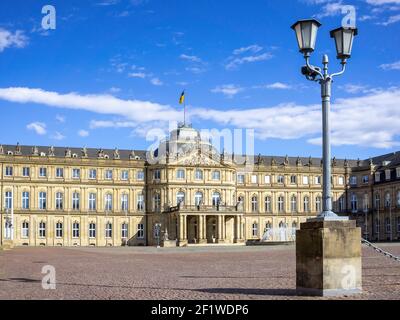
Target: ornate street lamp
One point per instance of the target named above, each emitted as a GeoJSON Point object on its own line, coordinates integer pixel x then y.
{"type": "Point", "coordinates": [306, 34]}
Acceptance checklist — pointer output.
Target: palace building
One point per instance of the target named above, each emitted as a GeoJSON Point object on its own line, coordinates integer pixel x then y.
{"type": "Point", "coordinates": [184, 192]}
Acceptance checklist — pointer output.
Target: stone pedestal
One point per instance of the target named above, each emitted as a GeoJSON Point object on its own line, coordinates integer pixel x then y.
{"type": "Point", "coordinates": [182, 243]}
{"type": "Point", "coordinates": [169, 243]}
{"type": "Point", "coordinates": [7, 245]}
{"type": "Point", "coordinates": [328, 258]}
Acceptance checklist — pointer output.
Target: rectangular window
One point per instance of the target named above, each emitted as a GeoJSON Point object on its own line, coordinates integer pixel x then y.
{"type": "Point", "coordinates": [125, 175]}
{"type": "Point", "coordinates": [42, 200]}
{"type": "Point", "coordinates": [75, 201]}
{"type": "Point", "coordinates": [180, 174]}
{"type": "Point", "coordinates": [388, 174]}
{"type": "Point", "coordinates": [253, 178]}
{"type": "Point", "coordinates": [25, 172]}
{"type": "Point", "coordinates": [365, 179]}
{"type": "Point", "coordinates": [280, 179]}
{"type": "Point", "coordinates": [377, 176]}
{"type": "Point", "coordinates": [108, 175]}
{"type": "Point", "coordinates": [25, 200]}
{"type": "Point", "coordinates": [92, 230]}
{"type": "Point", "coordinates": [124, 202]}
{"type": "Point", "coordinates": [140, 202]}
{"type": "Point", "coordinates": [42, 229]}
{"type": "Point", "coordinates": [318, 180]}
{"type": "Point", "coordinates": [59, 201]}
{"type": "Point", "coordinates": [305, 180]}
{"type": "Point", "coordinates": [59, 172]}
{"type": "Point", "coordinates": [267, 179]}
{"type": "Point", "coordinates": [254, 229]}
{"type": "Point", "coordinates": [108, 230]}
{"type": "Point", "coordinates": [293, 179]}
{"type": "Point", "coordinates": [353, 180]}
{"type": "Point", "coordinates": [216, 175]}
{"type": "Point", "coordinates": [398, 172]}
{"type": "Point", "coordinates": [25, 230]}
{"type": "Point", "coordinates": [42, 172]}
{"type": "Point", "coordinates": [341, 181]}
{"type": "Point", "coordinates": [140, 233]}
{"type": "Point", "coordinates": [124, 231]}
{"type": "Point", "coordinates": [240, 178]}
{"type": "Point", "coordinates": [199, 174]}
{"type": "Point", "coordinates": [76, 173]}
{"type": "Point", "coordinates": [140, 175]}
{"type": "Point", "coordinates": [9, 171]}
{"type": "Point", "coordinates": [75, 230]}
{"type": "Point", "coordinates": [157, 174]}
{"type": "Point", "coordinates": [92, 174]}
{"type": "Point", "coordinates": [92, 201]}
{"type": "Point", "coordinates": [59, 230]}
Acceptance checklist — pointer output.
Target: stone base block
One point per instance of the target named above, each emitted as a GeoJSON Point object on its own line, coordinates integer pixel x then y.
{"type": "Point", "coordinates": [182, 243]}
{"type": "Point", "coordinates": [328, 258]}
{"type": "Point", "coordinates": [169, 243]}
{"type": "Point", "coordinates": [7, 245]}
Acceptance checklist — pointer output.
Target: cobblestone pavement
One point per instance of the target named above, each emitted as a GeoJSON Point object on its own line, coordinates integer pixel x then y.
{"type": "Point", "coordinates": [266, 272]}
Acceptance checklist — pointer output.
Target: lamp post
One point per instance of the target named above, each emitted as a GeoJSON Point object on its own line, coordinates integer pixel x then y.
{"type": "Point", "coordinates": [306, 33]}
{"type": "Point", "coordinates": [328, 244]}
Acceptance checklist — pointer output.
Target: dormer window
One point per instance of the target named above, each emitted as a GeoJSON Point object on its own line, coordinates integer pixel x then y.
{"type": "Point", "coordinates": [377, 176]}
{"type": "Point", "coordinates": [388, 174]}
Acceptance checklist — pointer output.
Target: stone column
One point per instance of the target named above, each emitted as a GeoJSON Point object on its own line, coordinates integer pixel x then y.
{"type": "Point", "coordinates": [328, 258]}
{"type": "Point", "coordinates": [182, 231]}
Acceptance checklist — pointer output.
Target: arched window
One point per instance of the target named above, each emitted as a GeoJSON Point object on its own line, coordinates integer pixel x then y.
{"type": "Point", "coordinates": [157, 202]}
{"type": "Point", "coordinates": [388, 225]}
{"type": "Point", "coordinates": [216, 175]}
{"type": "Point", "coordinates": [8, 200]}
{"type": "Point", "coordinates": [282, 225]}
{"type": "Point", "coordinates": [92, 201]}
{"type": "Point", "coordinates": [254, 204]}
{"type": "Point", "coordinates": [387, 200]}
{"type": "Point", "coordinates": [75, 230]}
{"type": "Point", "coordinates": [377, 201]}
{"type": "Point", "coordinates": [293, 203]}
{"type": "Point", "coordinates": [59, 229]}
{"type": "Point", "coordinates": [281, 204]}
{"type": "Point", "coordinates": [318, 204]}
{"type": "Point", "coordinates": [255, 229]}
{"type": "Point", "coordinates": [180, 174]}
{"type": "Point", "coordinates": [216, 199]}
{"type": "Point", "coordinates": [42, 229]}
{"type": "Point", "coordinates": [75, 201]}
{"type": "Point", "coordinates": [108, 202]}
{"type": "Point", "coordinates": [268, 226]}
{"type": "Point", "coordinates": [42, 200]}
{"type": "Point", "coordinates": [268, 204]}
{"type": "Point", "coordinates": [180, 198]}
{"type": "Point", "coordinates": [353, 201]}
{"type": "Point", "coordinates": [306, 204]}
{"type": "Point", "coordinates": [198, 198]}
{"type": "Point", "coordinates": [25, 229]}
{"type": "Point", "coordinates": [124, 202]}
{"type": "Point", "coordinates": [108, 230]}
{"type": "Point", "coordinates": [198, 174]}
{"type": "Point", "coordinates": [25, 200]}
{"type": "Point", "coordinates": [294, 225]}
{"type": "Point", "coordinates": [59, 201]}
{"type": "Point", "coordinates": [140, 202]}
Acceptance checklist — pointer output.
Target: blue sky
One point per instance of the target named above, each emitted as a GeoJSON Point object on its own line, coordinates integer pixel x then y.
{"type": "Point", "coordinates": [114, 69]}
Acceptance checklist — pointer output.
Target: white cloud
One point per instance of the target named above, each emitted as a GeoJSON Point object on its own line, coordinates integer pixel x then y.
{"type": "Point", "coordinates": [391, 66]}
{"type": "Point", "coordinates": [330, 9]}
{"type": "Point", "coordinates": [382, 2]}
{"type": "Point", "coordinates": [137, 75]}
{"type": "Point", "coordinates": [9, 39]}
{"type": "Point", "coordinates": [195, 70]}
{"type": "Point", "coordinates": [390, 20]}
{"type": "Point", "coordinates": [277, 85]}
{"type": "Point", "coordinates": [354, 88]}
{"type": "Point", "coordinates": [115, 90]}
{"type": "Point", "coordinates": [156, 82]}
{"type": "Point", "coordinates": [370, 119]}
{"type": "Point", "coordinates": [190, 58]}
{"type": "Point", "coordinates": [58, 136]}
{"type": "Point", "coordinates": [107, 3]}
{"type": "Point", "coordinates": [60, 118]}
{"type": "Point", "coordinates": [38, 127]}
{"type": "Point", "coordinates": [253, 48]}
{"type": "Point", "coordinates": [228, 90]}
{"type": "Point", "coordinates": [234, 63]}
{"type": "Point", "coordinates": [83, 133]}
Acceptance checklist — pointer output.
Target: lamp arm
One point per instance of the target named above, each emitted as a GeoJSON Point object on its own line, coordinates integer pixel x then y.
{"type": "Point", "coordinates": [341, 72]}
{"type": "Point", "coordinates": [312, 68]}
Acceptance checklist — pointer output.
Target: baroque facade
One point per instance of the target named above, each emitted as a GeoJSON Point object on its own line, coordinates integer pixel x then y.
{"type": "Point", "coordinates": [89, 197]}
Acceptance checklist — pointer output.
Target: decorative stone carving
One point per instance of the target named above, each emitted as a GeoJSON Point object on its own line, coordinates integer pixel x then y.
{"type": "Point", "coordinates": [116, 154]}
{"type": "Point", "coordinates": [298, 162]}
{"type": "Point", "coordinates": [286, 161]}
{"type": "Point", "coordinates": [371, 162]}
{"type": "Point", "coordinates": [1, 149]}
{"type": "Point", "coordinates": [51, 151]}
{"type": "Point", "coordinates": [334, 162]}
{"type": "Point", "coordinates": [35, 151]}
{"type": "Point", "coordinates": [346, 163]}
{"type": "Point", "coordinates": [17, 149]}
{"type": "Point", "coordinates": [68, 153]}
{"type": "Point", "coordinates": [273, 162]}
{"type": "Point", "coordinates": [310, 162]}
{"type": "Point", "coordinates": [358, 162]}
{"type": "Point", "coordinates": [84, 152]}
{"type": "Point", "coordinates": [100, 154]}
{"type": "Point", "coordinates": [132, 155]}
